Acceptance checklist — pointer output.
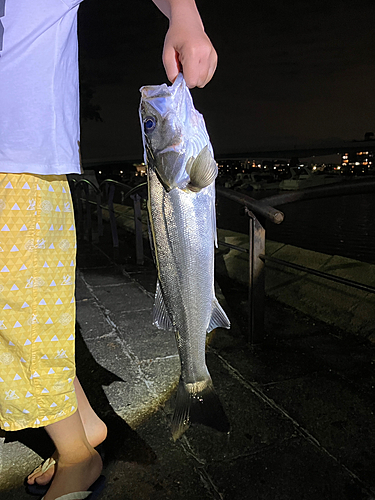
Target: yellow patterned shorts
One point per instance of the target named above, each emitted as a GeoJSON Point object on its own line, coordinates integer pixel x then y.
{"type": "Point", "coordinates": [37, 308]}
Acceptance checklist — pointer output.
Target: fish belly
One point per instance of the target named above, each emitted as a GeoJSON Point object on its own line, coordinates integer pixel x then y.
{"type": "Point", "coordinates": [184, 248]}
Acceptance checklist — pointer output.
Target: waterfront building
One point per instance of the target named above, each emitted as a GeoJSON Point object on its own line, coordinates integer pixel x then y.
{"type": "Point", "coordinates": [357, 162]}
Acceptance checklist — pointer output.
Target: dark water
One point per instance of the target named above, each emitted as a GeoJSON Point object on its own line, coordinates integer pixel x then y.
{"type": "Point", "coordinates": [341, 225]}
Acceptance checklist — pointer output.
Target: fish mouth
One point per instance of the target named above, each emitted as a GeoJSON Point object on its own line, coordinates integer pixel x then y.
{"type": "Point", "coordinates": [173, 148]}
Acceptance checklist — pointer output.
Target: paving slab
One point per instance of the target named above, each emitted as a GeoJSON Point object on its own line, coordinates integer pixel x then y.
{"type": "Point", "coordinates": [287, 470]}
{"type": "Point", "coordinates": [300, 406]}
{"type": "Point", "coordinates": [151, 343]}
{"type": "Point", "coordinates": [343, 423]}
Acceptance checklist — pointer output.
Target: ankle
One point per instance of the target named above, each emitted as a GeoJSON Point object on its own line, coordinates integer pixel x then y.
{"type": "Point", "coordinates": [95, 429]}
{"type": "Point", "coordinates": [81, 453]}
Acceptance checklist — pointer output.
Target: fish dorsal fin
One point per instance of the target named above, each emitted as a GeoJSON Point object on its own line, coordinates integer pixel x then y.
{"type": "Point", "coordinates": [160, 317]}
{"type": "Point", "coordinates": [218, 317]}
{"type": "Point", "coordinates": [202, 171]}
{"type": "Point", "coordinates": [213, 222]}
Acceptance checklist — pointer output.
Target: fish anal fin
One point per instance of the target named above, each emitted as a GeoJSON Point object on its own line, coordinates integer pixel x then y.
{"type": "Point", "coordinates": [201, 406]}
{"type": "Point", "coordinates": [161, 317]}
{"type": "Point", "coordinates": [218, 317]}
{"type": "Point", "coordinates": [202, 171]}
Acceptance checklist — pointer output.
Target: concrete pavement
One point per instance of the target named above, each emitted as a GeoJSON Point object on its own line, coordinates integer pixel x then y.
{"type": "Point", "coordinates": [301, 406]}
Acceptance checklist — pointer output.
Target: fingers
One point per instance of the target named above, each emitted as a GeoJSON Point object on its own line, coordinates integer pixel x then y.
{"type": "Point", "coordinates": [198, 69]}
{"type": "Point", "coordinates": [196, 58]}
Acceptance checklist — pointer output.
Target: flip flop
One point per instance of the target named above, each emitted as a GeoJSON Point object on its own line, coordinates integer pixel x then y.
{"type": "Point", "coordinates": [91, 494]}
{"type": "Point", "coordinates": [41, 489]}
{"type": "Point", "coordinates": [35, 488]}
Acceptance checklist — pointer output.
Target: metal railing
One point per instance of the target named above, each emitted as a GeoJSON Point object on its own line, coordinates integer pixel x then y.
{"type": "Point", "coordinates": [76, 188]}
{"type": "Point", "coordinates": [258, 212]}
{"type": "Point", "coordinates": [104, 200]}
{"type": "Point", "coordinates": [257, 258]}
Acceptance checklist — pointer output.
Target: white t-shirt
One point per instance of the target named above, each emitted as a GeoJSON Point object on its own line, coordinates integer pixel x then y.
{"type": "Point", "coordinates": [39, 93]}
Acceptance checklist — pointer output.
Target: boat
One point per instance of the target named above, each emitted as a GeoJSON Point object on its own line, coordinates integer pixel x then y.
{"type": "Point", "coordinates": [254, 181]}
{"type": "Point", "coordinates": [302, 178]}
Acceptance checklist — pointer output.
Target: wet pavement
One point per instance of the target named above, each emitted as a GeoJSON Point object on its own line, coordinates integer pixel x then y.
{"type": "Point", "coordinates": [301, 405]}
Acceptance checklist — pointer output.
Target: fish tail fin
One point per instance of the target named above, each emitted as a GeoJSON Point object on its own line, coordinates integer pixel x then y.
{"type": "Point", "coordinates": [195, 404]}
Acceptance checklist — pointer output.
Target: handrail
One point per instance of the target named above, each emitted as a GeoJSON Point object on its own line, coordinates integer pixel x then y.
{"type": "Point", "coordinates": [131, 190]}
{"type": "Point", "coordinates": [86, 181]}
{"type": "Point", "coordinates": [257, 206]}
{"type": "Point", "coordinates": [321, 274]}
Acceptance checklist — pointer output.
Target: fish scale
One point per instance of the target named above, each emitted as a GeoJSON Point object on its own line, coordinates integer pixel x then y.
{"type": "Point", "coordinates": [181, 175]}
{"type": "Point", "coordinates": [180, 216]}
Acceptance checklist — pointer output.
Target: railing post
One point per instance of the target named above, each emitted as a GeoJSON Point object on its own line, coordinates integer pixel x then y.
{"type": "Point", "coordinates": [257, 244]}
{"type": "Point", "coordinates": [138, 228]}
{"type": "Point", "coordinates": [81, 228]}
{"type": "Point", "coordinates": [88, 212]}
{"type": "Point", "coordinates": [112, 217]}
{"type": "Point", "coordinates": [99, 213]}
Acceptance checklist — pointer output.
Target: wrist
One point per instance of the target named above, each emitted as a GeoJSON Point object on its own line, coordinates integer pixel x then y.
{"type": "Point", "coordinates": [186, 12]}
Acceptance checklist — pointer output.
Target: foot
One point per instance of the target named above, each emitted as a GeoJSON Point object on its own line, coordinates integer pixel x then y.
{"type": "Point", "coordinates": [96, 432]}
{"type": "Point", "coordinates": [75, 473]}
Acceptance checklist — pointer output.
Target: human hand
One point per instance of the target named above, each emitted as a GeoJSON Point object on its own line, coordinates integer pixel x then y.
{"type": "Point", "coordinates": [190, 51]}
{"type": "Point", "coordinates": [187, 48]}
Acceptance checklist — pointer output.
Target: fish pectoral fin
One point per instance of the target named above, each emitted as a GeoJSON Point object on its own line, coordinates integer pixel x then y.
{"type": "Point", "coordinates": [202, 171]}
{"type": "Point", "coordinates": [160, 317]}
{"type": "Point", "coordinates": [218, 318]}
{"type": "Point", "coordinates": [189, 164]}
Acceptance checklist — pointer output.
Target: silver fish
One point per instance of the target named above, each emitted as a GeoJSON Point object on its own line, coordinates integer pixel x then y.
{"type": "Point", "coordinates": [181, 203]}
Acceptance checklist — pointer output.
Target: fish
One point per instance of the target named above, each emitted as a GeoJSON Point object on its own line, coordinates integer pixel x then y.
{"type": "Point", "coordinates": [181, 173]}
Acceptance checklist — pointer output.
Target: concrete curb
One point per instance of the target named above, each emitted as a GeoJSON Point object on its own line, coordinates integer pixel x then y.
{"type": "Point", "coordinates": [342, 306]}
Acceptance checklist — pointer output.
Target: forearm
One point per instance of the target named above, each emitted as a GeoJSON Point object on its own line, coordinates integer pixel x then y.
{"type": "Point", "coordinates": [187, 48]}
{"type": "Point", "coordinates": [180, 10]}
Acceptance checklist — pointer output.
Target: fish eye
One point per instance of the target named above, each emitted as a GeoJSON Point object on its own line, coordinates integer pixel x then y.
{"type": "Point", "coordinates": [149, 123]}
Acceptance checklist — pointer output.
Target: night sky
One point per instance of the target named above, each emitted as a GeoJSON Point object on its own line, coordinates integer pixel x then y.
{"type": "Point", "coordinates": [290, 73]}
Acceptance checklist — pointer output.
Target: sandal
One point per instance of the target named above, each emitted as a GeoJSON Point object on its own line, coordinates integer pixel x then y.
{"type": "Point", "coordinates": [93, 493]}
{"type": "Point", "coordinates": [41, 489]}
{"type": "Point", "coordinates": [36, 488]}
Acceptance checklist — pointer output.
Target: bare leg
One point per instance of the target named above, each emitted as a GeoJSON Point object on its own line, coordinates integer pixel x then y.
{"type": "Point", "coordinates": [78, 463]}
{"type": "Point", "coordinates": [95, 430]}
